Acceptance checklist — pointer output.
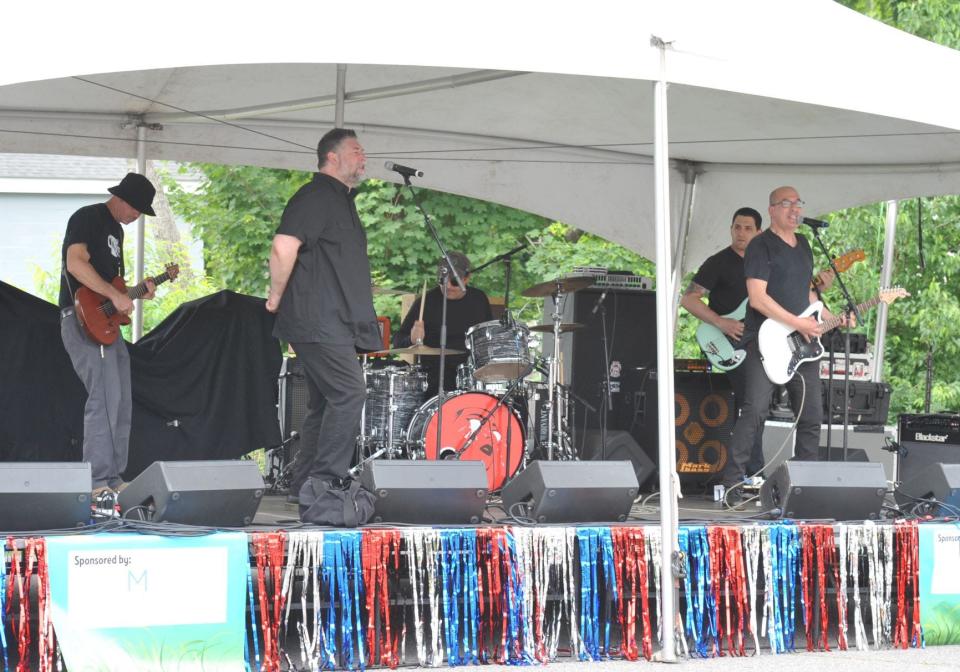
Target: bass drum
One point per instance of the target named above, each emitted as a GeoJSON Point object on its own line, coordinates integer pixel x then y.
{"type": "Point", "coordinates": [498, 443]}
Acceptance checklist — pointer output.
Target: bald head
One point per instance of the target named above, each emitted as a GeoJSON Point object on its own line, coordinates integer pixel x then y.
{"type": "Point", "coordinates": [785, 210]}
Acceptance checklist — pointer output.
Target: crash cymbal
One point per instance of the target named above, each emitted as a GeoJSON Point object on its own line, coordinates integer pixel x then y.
{"type": "Point", "coordinates": [418, 350]}
{"type": "Point", "coordinates": [564, 327]}
{"type": "Point", "coordinates": [388, 291]}
{"type": "Point", "coordinates": [565, 285]}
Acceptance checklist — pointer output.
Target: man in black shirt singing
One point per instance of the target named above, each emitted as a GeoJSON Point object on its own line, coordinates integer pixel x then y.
{"type": "Point", "coordinates": [464, 309]}
{"type": "Point", "coordinates": [721, 280]}
{"type": "Point", "coordinates": [320, 288]}
{"type": "Point", "coordinates": [778, 265]}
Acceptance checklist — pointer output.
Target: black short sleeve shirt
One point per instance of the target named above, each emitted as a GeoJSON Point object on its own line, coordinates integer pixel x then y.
{"type": "Point", "coordinates": [787, 271]}
{"type": "Point", "coordinates": [328, 297]}
{"type": "Point", "coordinates": [722, 276]}
{"type": "Point", "coordinates": [95, 227]}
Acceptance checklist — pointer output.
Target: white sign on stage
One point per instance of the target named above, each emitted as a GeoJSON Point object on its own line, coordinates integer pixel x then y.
{"type": "Point", "coordinates": [148, 586]}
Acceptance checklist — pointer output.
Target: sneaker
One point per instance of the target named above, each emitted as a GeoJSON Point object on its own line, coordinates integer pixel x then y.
{"type": "Point", "coordinates": [102, 491]}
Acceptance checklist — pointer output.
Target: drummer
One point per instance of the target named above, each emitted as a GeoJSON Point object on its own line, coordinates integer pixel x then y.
{"type": "Point", "coordinates": [464, 309]}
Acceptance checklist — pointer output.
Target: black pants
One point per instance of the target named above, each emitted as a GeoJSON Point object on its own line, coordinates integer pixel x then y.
{"type": "Point", "coordinates": [738, 380]}
{"type": "Point", "coordinates": [337, 392]}
{"type": "Point", "coordinates": [804, 388]}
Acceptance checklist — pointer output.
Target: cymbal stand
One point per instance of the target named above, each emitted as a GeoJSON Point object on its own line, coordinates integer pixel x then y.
{"type": "Point", "coordinates": [553, 375]}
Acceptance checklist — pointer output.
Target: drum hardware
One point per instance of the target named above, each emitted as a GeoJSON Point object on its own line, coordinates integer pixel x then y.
{"type": "Point", "coordinates": [418, 350]}
{"type": "Point", "coordinates": [564, 328]}
{"type": "Point", "coordinates": [557, 439]}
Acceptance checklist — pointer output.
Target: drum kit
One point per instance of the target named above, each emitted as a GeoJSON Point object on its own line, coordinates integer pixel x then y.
{"type": "Point", "coordinates": [509, 405]}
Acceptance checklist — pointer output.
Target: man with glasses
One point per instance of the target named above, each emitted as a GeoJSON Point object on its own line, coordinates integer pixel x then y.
{"type": "Point", "coordinates": [778, 265]}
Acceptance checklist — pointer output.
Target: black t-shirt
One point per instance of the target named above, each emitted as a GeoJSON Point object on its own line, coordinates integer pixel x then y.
{"type": "Point", "coordinates": [462, 314]}
{"type": "Point", "coordinates": [787, 271]}
{"type": "Point", "coordinates": [95, 227]}
{"type": "Point", "coordinates": [328, 297]}
{"type": "Point", "coordinates": [722, 276]}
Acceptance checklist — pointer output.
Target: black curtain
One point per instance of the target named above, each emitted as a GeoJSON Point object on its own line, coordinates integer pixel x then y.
{"type": "Point", "coordinates": [204, 383]}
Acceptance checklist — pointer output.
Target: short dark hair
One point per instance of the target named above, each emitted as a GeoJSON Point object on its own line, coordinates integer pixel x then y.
{"type": "Point", "coordinates": [748, 212]}
{"type": "Point", "coordinates": [330, 142]}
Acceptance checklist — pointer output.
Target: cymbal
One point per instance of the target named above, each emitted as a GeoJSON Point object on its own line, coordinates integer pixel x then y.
{"type": "Point", "coordinates": [388, 291]}
{"type": "Point", "coordinates": [564, 327]}
{"type": "Point", "coordinates": [565, 285]}
{"type": "Point", "coordinates": [419, 350]}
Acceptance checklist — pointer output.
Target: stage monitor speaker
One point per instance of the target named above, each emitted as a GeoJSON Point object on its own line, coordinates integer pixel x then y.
{"type": "Point", "coordinates": [620, 446]}
{"type": "Point", "coordinates": [925, 440]}
{"type": "Point", "coordinates": [213, 493]}
{"type": "Point", "coordinates": [937, 481]}
{"type": "Point", "coordinates": [427, 492]}
{"type": "Point", "coordinates": [705, 412]}
{"type": "Point", "coordinates": [44, 495]}
{"type": "Point", "coordinates": [572, 492]}
{"type": "Point", "coordinates": [837, 490]}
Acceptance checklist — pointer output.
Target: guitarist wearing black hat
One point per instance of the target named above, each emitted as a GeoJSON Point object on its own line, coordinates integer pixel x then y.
{"type": "Point", "coordinates": [92, 257]}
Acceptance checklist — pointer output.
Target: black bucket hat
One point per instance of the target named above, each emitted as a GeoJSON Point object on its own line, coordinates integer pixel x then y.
{"type": "Point", "coordinates": [137, 191]}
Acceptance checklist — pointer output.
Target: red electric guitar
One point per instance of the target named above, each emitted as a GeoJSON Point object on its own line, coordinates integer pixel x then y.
{"type": "Point", "coordinates": [97, 314]}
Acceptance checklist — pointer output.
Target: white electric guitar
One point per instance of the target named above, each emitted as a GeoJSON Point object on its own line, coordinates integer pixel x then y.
{"type": "Point", "coordinates": [783, 349]}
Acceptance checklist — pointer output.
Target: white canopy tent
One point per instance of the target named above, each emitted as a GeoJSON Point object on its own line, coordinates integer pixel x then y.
{"type": "Point", "coordinates": [544, 106]}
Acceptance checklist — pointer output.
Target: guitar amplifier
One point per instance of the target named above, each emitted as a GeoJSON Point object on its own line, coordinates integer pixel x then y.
{"type": "Point", "coordinates": [869, 402]}
{"type": "Point", "coordinates": [925, 440]}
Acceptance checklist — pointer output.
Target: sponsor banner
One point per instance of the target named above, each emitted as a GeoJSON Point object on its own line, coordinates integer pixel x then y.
{"type": "Point", "coordinates": [131, 601]}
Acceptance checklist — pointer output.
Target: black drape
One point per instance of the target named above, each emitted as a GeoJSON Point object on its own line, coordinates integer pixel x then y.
{"type": "Point", "coordinates": [204, 383]}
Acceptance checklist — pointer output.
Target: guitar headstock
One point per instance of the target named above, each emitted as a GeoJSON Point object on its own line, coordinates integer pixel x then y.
{"type": "Point", "coordinates": [845, 261]}
{"type": "Point", "coordinates": [172, 271]}
{"type": "Point", "coordinates": [890, 294]}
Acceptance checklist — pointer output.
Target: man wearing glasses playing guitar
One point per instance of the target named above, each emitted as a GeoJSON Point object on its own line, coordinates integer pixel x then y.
{"type": "Point", "coordinates": [92, 257]}
{"type": "Point", "coordinates": [778, 264]}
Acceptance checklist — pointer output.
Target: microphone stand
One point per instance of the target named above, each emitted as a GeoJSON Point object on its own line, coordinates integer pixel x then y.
{"type": "Point", "coordinates": [445, 269]}
{"type": "Point", "coordinates": [606, 399]}
{"type": "Point", "coordinates": [507, 258]}
{"type": "Point", "coordinates": [851, 311]}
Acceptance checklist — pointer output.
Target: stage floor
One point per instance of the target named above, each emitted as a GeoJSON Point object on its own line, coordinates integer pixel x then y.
{"type": "Point", "coordinates": [276, 513]}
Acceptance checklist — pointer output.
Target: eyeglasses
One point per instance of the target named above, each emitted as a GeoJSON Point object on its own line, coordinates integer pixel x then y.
{"type": "Point", "coordinates": [790, 204]}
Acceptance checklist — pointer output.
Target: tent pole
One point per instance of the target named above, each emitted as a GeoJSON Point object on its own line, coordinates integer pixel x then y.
{"type": "Point", "coordinates": [141, 230]}
{"type": "Point", "coordinates": [886, 277]}
{"type": "Point", "coordinates": [680, 249]}
{"type": "Point", "coordinates": [665, 414]}
{"type": "Point", "coordinates": [341, 94]}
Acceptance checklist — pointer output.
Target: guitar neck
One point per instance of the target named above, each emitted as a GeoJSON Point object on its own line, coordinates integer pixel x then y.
{"type": "Point", "coordinates": [139, 291]}
{"type": "Point", "coordinates": [827, 325]}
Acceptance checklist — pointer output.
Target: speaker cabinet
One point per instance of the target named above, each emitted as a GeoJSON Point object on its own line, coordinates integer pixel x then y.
{"type": "Point", "coordinates": [705, 413]}
{"type": "Point", "coordinates": [937, 481]}
{"type": "Point", "coordinates": [44, 495]}
{"type": "Point", "coordinates": [620, 446]}
{"type": "Point", "coordinates": [631, 319]}
{"type": "Point", "coordinates": [214, 493]}
{"type": "Point", "coordinates": [427, 492]}
{"type": "Point", "coordinates": [836, 490]}
{"type": "Point", "coordinates": [572, 492]}
{"type": "Point", "coordinates": [926, 440]}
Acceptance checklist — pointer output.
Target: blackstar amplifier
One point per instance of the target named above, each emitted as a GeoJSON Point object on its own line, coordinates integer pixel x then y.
{"type": "Point", "coordinates": [925, 440]}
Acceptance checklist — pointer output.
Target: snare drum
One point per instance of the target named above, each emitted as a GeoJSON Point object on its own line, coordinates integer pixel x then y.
{"type": "Point", "coordinates": [394, 394]}
{"type": "Point", "coordinates": [498, 351]}
{"type": "Point", "coordinates": [498, 443]}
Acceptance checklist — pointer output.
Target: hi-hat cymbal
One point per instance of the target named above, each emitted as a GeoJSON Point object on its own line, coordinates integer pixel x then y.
{"type": "Point", "coordinates": [419, 350]}
{"type": "Point", "coordinates": [564, 328]}
{"type": "Point", "coordinates": [565, 285]}
{"type": "Point", "coordinates": [388, 291]}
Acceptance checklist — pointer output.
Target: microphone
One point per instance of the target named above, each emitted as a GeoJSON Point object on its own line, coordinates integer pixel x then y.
{"type": "Point", "coordinates": [815, 223]}
{"type": "Point", "coordinates": [403, 170]}
{"type": "Point", "coordinates": [599, 302]}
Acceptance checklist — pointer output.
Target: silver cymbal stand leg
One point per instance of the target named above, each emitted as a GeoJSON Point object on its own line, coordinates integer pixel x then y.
{"type": "Point", "coordinates": [391, 409]}
{"type": "Point", "coordinates": [362, 436]}
{"type": "Point", "coordinates": [553, 417]}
